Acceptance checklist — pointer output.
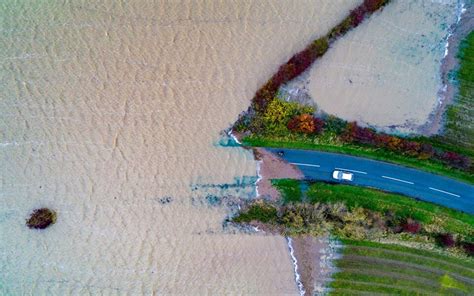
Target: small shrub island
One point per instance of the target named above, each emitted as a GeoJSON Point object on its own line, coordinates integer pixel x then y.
{"type": "Point", "coordinates": [41, 218]}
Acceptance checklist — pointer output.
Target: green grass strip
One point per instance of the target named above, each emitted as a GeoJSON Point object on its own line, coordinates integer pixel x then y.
{"type": "Point", "coordinates": [402, 206]}
{"type": "Point", "coordinates": [290, 189]}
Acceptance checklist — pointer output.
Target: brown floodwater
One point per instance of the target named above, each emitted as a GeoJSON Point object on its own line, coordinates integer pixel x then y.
{"type": "Point", "coordinates": [111, 113]}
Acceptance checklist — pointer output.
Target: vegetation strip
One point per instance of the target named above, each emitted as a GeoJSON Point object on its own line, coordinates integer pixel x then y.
{"type": "Point", "coordinates": [402, 206]}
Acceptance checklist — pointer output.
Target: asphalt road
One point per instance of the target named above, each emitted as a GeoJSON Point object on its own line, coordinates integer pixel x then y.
{"type": "Point", "coordinates": [389, 177]}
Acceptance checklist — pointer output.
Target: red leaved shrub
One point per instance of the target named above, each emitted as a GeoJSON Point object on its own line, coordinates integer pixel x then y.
{"type": "Point", "coordinates": [353, 133]}
{"type": "Point", "coordinates": [319, 125]}
{"type": "Point", "coordinates": [357, 134]}
{"type": "Point", "coordinates": [446, 240]}
{"type": "Point", "coordinates": [455, 160]}
{"type": "Point", "coordinates": [373, 5]}
{"type": "Point", "coordinates": [411, 226]}
{"type": "Point", "coordinates": [264, 96]}
{"type": "Point", "coordinates": [305, 123]}
{"type": "Point", "coordinates": [382, 140]}
{"type": "Point", "coordinates": [426, 151]}
{"type": "Point", "coordinates": [285, 73]}
{"type": "Point", "coordinates": [468, 248]}
{"type": "Point", "coordinates": [358, 15]}
{"type": "Point", "coordinates": [412, 148]}
{"type": "Point", "coordinates": [302, 61]}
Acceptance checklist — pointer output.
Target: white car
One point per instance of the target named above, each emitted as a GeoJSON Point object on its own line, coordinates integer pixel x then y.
{"type": "Point", "coordinates": [342, 176]}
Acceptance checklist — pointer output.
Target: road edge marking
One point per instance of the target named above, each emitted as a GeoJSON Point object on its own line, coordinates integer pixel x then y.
{"type": "Point", "coordinates": [446, 192]}
{"type": "Point", "coordinates": [399, 180]}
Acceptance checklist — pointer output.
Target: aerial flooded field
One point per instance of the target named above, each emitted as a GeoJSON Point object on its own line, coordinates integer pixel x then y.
{"type": "Point", "coordinates": [119, 172]}
{"type": "Point", "coordinates": [377, 74]}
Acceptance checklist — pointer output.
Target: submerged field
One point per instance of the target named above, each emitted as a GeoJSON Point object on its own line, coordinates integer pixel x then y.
{"type": "Point", "coordinates": [459, 121]}
{"type": "Point", "coordinates": [368, 267]}
{"type": "Point", "coordinates": [385, 72]}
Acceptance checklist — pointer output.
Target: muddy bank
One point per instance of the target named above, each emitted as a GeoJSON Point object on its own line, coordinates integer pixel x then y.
{"type": "Point", "coordinates": [272, 167]}
{"type": "Point", "coordinates": [450, 63]}
{"type": "Point", "coordinates": [315, 257]}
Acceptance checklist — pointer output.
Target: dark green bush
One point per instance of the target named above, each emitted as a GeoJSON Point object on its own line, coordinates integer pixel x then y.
{"type": "Point", "coordinates": [334, 124]}
{"type": "Point", "coordinates": [258, 211]}
{"type": "Point", "coordinates": [41, 218]}
{"type": "Point", "coordinates": [320, 46]}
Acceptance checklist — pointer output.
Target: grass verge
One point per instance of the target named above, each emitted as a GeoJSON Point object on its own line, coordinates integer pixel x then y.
{"type": "Point", "coordinates": [290, 189]}
{"type": "Point", "coordinates": [401, 206]}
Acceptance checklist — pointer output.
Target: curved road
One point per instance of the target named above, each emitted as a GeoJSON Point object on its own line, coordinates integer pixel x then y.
{"type": "Point", "coordinates": [389, 177]}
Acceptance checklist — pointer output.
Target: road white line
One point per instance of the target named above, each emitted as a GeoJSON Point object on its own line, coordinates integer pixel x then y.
{"type": "Point", "coordinates": [354, 171]}
{"type": "Point", "coordinates": [439, 190]}
{"type": "Point", "coordinates": [306, 164]}
{"type": "Point", "coordinates": [395, 179]}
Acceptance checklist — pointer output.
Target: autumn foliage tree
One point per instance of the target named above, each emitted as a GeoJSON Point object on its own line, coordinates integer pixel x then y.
{"type": "Point", "coordinates": [279, 113]}
{"type": "Point", "coordinates": [305, 123]}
